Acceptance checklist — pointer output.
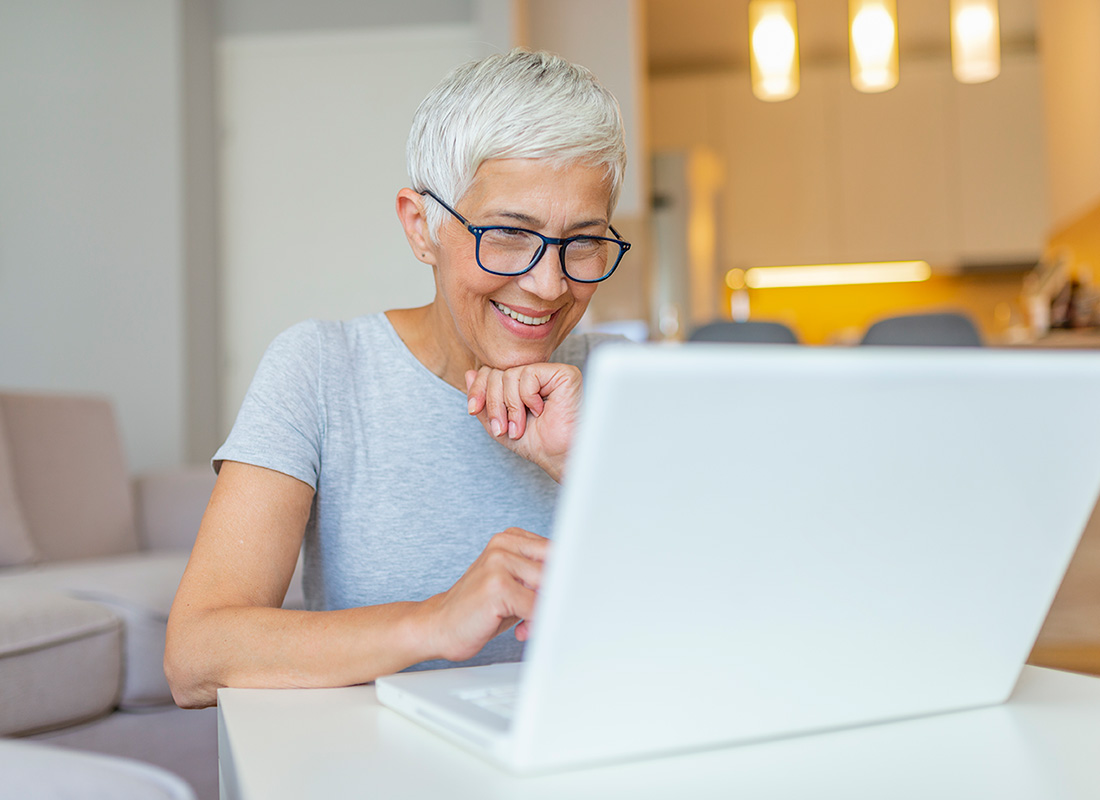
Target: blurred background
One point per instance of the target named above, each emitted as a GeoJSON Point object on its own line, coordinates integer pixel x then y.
{"type": "Point", "coordinates": [182, 179]}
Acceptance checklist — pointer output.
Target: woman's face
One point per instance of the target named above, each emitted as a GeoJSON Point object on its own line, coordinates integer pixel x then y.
{"type": "Point", "coordinates": [476, 312]}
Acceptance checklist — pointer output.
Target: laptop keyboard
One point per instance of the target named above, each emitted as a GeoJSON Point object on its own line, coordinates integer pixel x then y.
{"type": "Point", "coordinates": [500, 700]}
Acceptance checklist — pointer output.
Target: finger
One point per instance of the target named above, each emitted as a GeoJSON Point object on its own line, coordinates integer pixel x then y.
{"type": "Point", "coordinates": [530, 386]}
{"type": "Point", "coordinates": [495, 407]}
{"type": "Point", "coordinates": [507, 572]}
{"type": "Point", "coordinates": [517, 409]}
{"type": "Point", "coordinates": [522, 541]}
{"type": "Point", "coordinates": [475, 390]}
{"type": "Point", "coordinates": [510, 602]}
{"type": "Point", "coordinates": [515, 536]}
{"type": "Point", "coordinates": [523, 606]}
{"type": "Point", "coordinates": [515, 557]}
{"type": "Point", "coordinates": [505, 624]}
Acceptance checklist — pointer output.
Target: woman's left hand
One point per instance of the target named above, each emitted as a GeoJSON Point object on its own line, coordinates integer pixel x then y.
{"type": "Point", "coordinates": [531, 410]}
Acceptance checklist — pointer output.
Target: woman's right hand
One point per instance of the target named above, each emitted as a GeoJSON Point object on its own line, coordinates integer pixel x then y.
{"type": "Point", "coordinates": [497, 591]}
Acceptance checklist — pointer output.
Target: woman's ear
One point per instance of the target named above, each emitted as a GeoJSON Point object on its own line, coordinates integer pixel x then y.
{"type": "Point", "coordinates": [410, 210]}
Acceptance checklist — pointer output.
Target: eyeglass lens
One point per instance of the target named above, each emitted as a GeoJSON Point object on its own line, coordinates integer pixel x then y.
{"type": "Point", "coordinates": [510, 251]}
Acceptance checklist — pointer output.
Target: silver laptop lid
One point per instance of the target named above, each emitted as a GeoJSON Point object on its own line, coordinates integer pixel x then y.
{"type": "Point", "coordinates": [754, 542]}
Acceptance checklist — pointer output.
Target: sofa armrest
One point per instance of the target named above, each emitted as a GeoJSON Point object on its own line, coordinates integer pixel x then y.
{"type": "Point", "coordinates": [169, 505]}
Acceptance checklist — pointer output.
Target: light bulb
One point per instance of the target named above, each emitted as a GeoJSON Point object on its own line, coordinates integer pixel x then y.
{"type": "Point", "coordinates": [774, 49]}
{"type": "Point", "coordinates": [874, 44]}
{"type": "Point", "coordinates": [975, 40]}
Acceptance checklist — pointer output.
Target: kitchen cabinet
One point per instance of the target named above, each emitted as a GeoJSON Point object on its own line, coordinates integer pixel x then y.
{"type": "Point", "coordinates": [936, 170]}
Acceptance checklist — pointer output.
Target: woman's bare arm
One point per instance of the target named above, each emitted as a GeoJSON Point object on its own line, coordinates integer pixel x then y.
{"type": "Point", "coordinates": [226, 627]}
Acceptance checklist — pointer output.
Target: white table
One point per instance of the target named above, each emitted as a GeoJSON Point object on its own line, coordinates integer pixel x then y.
{"type": "Point", "coordinates": [335, 743]}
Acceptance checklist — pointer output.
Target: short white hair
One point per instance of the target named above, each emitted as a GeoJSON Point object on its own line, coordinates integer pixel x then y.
{"type": "Point", "coordinates": [520, 104]}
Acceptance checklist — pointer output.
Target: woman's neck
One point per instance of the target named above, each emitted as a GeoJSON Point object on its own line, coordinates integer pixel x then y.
{"type": "Point", "coordinates": [419, 329]}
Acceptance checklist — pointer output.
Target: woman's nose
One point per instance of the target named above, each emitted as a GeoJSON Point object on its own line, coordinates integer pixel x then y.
{"type": "Point", "coordinates": [546, 279]}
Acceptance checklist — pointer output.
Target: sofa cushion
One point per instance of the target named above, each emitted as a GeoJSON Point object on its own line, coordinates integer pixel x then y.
{"type": "Point", "coordinates": [16, 546]}
{"type": "Point", "coordinates": [60, 661]}
{"type": "Point", "coordinates": [138, 588]}
{"type": "Point", "coordinates": [70, 475]}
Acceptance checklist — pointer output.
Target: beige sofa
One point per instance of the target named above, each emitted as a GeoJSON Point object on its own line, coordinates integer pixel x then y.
{"type": "Point", "coordinates": [89, 564]}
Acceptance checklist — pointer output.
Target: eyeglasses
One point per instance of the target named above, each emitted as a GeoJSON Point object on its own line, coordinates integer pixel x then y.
{"type": "Point", "coordinates": [507, 251]}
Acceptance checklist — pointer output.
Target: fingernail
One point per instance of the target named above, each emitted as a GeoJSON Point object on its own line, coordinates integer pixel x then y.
{"type": "Point", "coordinates": [495, 427]}
{"type": "Point", "coordinates": [470, 405]}
{"type": "Point", "coordinates": [512, 429]}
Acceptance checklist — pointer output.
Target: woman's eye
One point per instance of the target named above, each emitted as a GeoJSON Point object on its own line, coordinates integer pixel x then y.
{"type": "Point", "coordinates": [503, 234]}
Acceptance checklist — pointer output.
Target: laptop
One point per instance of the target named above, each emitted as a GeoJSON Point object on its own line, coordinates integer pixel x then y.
{"type": "Point", "coordinates": [756, 542]}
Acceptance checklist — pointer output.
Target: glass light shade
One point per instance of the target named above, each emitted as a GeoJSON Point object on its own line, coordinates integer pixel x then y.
{"type": "Point", "coordinates": [773, 39]}
{"type": "Point", "coordinates": [873, 44]}
{"type": "Point", "coordinates": [975, 40]}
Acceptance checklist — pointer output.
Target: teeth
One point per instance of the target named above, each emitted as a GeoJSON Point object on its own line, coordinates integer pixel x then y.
{"type": "Point", "coordinates": [526, 320]}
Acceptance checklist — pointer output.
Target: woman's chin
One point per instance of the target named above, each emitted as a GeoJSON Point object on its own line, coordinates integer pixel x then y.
{"type": "Point", "coordinates": [520, 357]}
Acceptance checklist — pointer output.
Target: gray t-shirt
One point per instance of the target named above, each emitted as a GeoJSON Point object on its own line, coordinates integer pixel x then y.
{"type": "Point", "coordinates": [409, 487]}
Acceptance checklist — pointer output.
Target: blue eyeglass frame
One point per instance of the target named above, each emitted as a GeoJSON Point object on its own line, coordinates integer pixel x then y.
{"type": "Point", "coordinates": [479, 230]}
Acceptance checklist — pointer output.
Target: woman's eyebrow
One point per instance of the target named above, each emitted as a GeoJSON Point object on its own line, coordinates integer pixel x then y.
{"type": "Point", "coordinates": [518, 216]}
{"type": "Point", "coordinates": [531, 222]}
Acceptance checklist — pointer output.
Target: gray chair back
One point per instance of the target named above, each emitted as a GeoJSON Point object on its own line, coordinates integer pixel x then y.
{"type": "Point", "coordinates": [752, 332]}
{"type": "Point", "coordinates": [934, 330]}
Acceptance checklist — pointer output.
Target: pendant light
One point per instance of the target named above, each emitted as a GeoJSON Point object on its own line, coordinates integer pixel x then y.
{"type": "Point", "coordinates": [873, 31]}
{"type": "Point", "coordinates": [773, 40]}
{"type": "Point", "coordinates": [975, 40]}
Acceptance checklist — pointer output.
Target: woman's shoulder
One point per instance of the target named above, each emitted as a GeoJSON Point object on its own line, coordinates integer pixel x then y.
{"type": "Point", "coordinates": [361, 352]}
{"type": "Point", "coordinates": [334, 337]}
{"type": "Point", "coordinates": [336, 329]}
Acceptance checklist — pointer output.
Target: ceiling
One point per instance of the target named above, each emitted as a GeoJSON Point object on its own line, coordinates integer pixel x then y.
{"type": "Point", "coordinates": [688, 35]}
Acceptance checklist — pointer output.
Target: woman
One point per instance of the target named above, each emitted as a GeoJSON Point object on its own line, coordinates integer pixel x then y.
{"type": "Point", "coordinates": [416, 452]}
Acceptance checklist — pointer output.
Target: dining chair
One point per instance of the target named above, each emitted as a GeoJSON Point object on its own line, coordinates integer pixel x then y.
{"type": "Point", "coordinates": [951, 329]}
{"type": "Point", "coordinates": [750, 332]}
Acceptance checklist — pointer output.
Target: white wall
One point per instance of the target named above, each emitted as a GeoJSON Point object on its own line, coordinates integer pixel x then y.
{"type": "Point", "coordinates": [239, 17]}
{"type": "Point", "coordinates": [607, 38]}
{"type": "Point", "coordinates": [313, 154]}
{"type": "Point", "coordinates": [91, 296]}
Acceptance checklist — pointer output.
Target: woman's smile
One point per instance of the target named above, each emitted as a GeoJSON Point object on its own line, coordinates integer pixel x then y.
{"type": "Point", "coordinates": [530, 319]}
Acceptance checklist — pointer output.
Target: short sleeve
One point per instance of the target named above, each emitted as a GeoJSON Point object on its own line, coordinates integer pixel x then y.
{"type": "Point", "coordinates": [281, 422]}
